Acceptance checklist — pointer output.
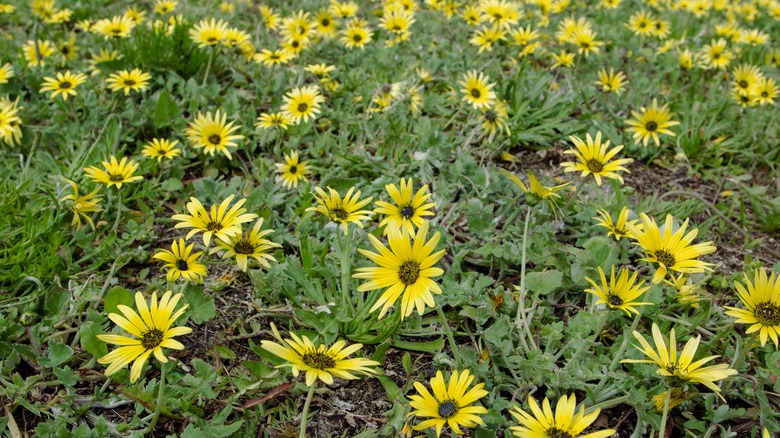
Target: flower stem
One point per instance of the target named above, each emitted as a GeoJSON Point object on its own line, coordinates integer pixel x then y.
{"type": "Point", "coordinates": [160, 394]}
{"type": "Point", "coordinates": [450, 338]}
{"type": "Point", "coordinates": [305, 413]}
{"type": "Point", "coordinates": [665, 415]}
{"type": "Point", "coordinates": [619, 355]}
{"type": "Point", "coordinates": [345, 267]}
{"type": "Point", "coordinates": [208, 66]}
{"type": "Point", "coordinates": [742, 355]}
{"type": "Point", "coordinates": [118, 211]}
{"type": "Point", "coordinates": [521, 318]}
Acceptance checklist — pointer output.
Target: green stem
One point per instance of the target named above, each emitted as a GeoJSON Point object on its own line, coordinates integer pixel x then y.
{"type": "Point", "coordinates": [345, 268]}
{"type": "Point", "coordinates": [160, 394]}
{"type": "Point", "coordinates": [305, 413]}
{"type": "Point", "coordinates": [741, 356]}
{"type": "Point", "coordinates": [665, 415]}
{"type": "Point", "coordinates": [616, 359]}
{"type": "Point", "coordinates": [450, 338]}
{"type": "Point", "coordinates": [609, 403]}
{"type": "Point", "coordinates": [118, 211]}
{"type": "Point", "coordinates": [521, 321]}
{"type": "Point", "coordinates": [208, 66]}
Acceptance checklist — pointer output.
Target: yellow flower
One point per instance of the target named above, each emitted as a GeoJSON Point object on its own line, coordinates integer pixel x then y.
{"type": "Point", "coordinates": [650, 122]}
{"type": "Point", "coordinates": [118, 26]}
{"type": "Point", "coordinates": [535, 191]}
{"type": "Point", "coordinates": [270, 120]}
{"type": "Point", "coordinates": [303, 102]}
{"type": "Point", "coordinates": [619, 294]}
{"type": "Point", "coordinates": [320, 70]}
{"type": "Point", "coordinates": [213, 133]}
{"type": "Point", "coordinates": [326, 24]}
{"type": "Point", "coordinates": [449, 404]}
{"type": "Point", "coordinates": [715, 55]}
{"type": "Point", "coordinates": [487, 36]}
{"type": "Point", "coordinates": [687, 292]}
{"type": "Point", "coordinates": [319, 361]}
{"type": "Point", "coordinates": [341, 211]}
{"type": "Point", "coordinates": [6, 72]}
{"type": "Point", "coordinates": [355, 37]}
{"type": "Point", "coordinates": [82, 205]}
{"type": "Point", "coordinates": [272, 58]}
{"type": "Point", "coordinates": [563, 59]}
{"type": "Point", "coordinates": [762, 305]}
{"type": "Point", "coordinates": [685, 58]}
{"type": "Point", "coordinates": [766, 91]}
{"type": "Point", "coordinates": [10, 130]}
{"type": "Point", "coordinates": [477, 89]}
{"type": "Point", "coordinates": [245, 245]}
{"type": "Point", "coordinates": [404, 269]}
{"type": "Point", "coordinates": [218, 221]}
{"type": "Point", "coordinates": [566, 421]}
{"type": "Point", "coordinates": [494, 118]}
{"type": "Point", "coordinates": [270, 18]}
{"type": "Point", "coordinates": [585, 40]}
{"type": "Point", "coordinates": [292, 170]}
{"type": "Point", "coordinates": [116, 173]}
{"type": "Point", "coordinates": [103, 56]}
{"type": "Point", "coordinates": [641, 23]}
{"type": "Point", "coordinates": [594, 158]}
{"type": "Point", "coordinates": [161, 148]}
{"type": "Point", "coordinates": [35, 52]}
{"type": "Point", "coordinates": [151, 326]}
{"type": "Point", "coordinates": [683, 367]}
{"type": "Point", "coordinates": [181, 262]}
{"type": "Point", "coordinates": [611, 81]}
{"type": "Point", "coordinates": [64, 84]}
{"type": "Point", "coordinates": [678, 396]}
{"type": "Point", "coordinates": [165, 6]}
{"type": "Point", "coordinates": [208, 32]}
{"type": "Point", "coordinates": [410, 209]}
{"type": "Point", "coordinates": [68, 49]}
{"type": "Point", "coordinates": [672, 250]}
{"type": "Point", "coordinates": [617, 229]}
{"type": "Point", "coordinates": [128, 81]}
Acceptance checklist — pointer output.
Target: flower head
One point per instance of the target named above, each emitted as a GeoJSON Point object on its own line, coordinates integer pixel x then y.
{"type": "Point", "coordinates": [82, 205]}
{"type": "Point", "coordinates": [36, 52]}
{"type": "Point", "coordinates": [449, 404]}
{"type": "Point", "coordinates": [251, 244]}
{"type": "Point", "coordinates": [650, 122]}
{"type": "Point", "coordinates": [494, 118]}
{"type": "Point", "coordinates": [208, 32]}
{"type": "Point", "coordinates": [611, 81]}
{"type": "Point", "coordinates": [6, 72]}
{"type": "Point", "coordinates": [566, 421]}
{"type": "Point", "coordinates": [116, 173]}
{"type": "Point", "coordinates": [477, 90]}
{"type": "Point", "coordinates": [341, 211]}
{"type": "Point", "coordinates": [292, 170]}
{"type": "Point", "coordinates": [161, 148]}
{"type": "Point", "coordinates": [182, 262]}
{"type": "Point", "coordinates": [64, 84]}
{"type": "Point", "coordinates": [687, 291]}
{"type": "Point", "coordinates": [619, 294]}
{"type": "Point", "coordinates": [218, 221]}
{"type": "Point", "coordinates": [128, 80]}
{"type": "Point", "coordinates": [119, 26]}
{"type": "Point", "coordinates": [671, 249]}
{"type": "Point", "coordinates": [303, 102]}
{"type": "Point", "coordinates": [761, 299]}
{"type": "Point", "coordinates": [405, 269]}
{"type": "Point", "coordinates": [213, 133]}
{"type": "Point", "coordinates": [536, 192]}
{"type": "Point", "coordinates": [152, 331]}
{"type": "Point", "coordinates": [594, 158]}
{"type": "Point", "coordinates": [617, 229]}
{"type": "Point", "coordinates": [319, 361]}
{"type": "Point", "coordinates": [355, 37]}
{"type": "Point", "coordinates": [271, 58]}
{"type": "Point", "coordinates": [410, 209]}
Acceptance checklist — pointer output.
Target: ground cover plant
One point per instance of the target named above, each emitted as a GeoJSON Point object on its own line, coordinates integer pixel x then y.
{"type": "Point", "coordinates": [490, 218]}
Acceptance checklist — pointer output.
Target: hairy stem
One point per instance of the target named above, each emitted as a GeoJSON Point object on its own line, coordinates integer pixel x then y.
{"type": "Point", "coordinates": [450, 338]}
{"type": "Point", "coordinates": [305, 413]}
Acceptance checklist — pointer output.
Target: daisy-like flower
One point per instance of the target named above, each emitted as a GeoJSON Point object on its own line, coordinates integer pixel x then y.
{"type": "Point", "coordinates": [128, 80]}
{"type": "Point", "coordinates": [119, 26]}
{"type": "Point", "coordinates": [341, 211]}
{"type": "Point", "coordinates": [762, 305]}
{"type": "Point", "coordinates": [295, 44]}
{"type": "Point", "coordinates": [685, 58]}
{"type": "Point", "coordinates": [270, 18]}
{"type": "Point", "coordinates": [64, 84]}
{"type": "Point", "coordinates": [355, 37]}
{"type": "Point", "coordinates": [494, 118]}
{"type": "Point", "coordinates": [524, 36]}
{"type": "Point", "coordinates": [536, 192]}
{"type": "Point", "coordinates": [182, 262]}
{"type": "Point", "coordinates": [619, 294]}
{"type": "Point", "coordinates": [746, 78]}
{"type": "Point", "coordinates": [251, 244]}
{"type": "Point", "coordinates": [82, 205]}
{"type": "Point", "coordinates": [115, 173]}
{"type": "Point", "coordinates": [152, 329]}
{"type": "Point", "coordinates": [487, 36]}
{"type": "Point", "coordinates": [641, 23]}
{"type": "Point", "coordinates": [68, 49]}
{"type": "Point", "coordinates": [404, 269]}
{"type": "Point", "coordinates": [36, 56]}
{"type": "Point", "coordinates": [611, 82]}
{"type": "Point", "coordinates": [271, 58]}
{"type": "Point", "coordinates": [449, 404]}
{"type": "Point", "coordinates": [319, 361]}
{"type": "Point", "coordinates": [103, 56]}
{"type": "Point", "coordinates": [292, 170]}
{"type": "Point", "coordinates": [617, 229]}
{"type": "Point", "coordinates": [501, 12]}
{"type": "Point", "coordinates": [410, 209]}
{"type": "Point", "coordinates": [397, 21]}
{"type": "Point", "coordinates": [208, 32]}
{"type": "Point", "coordinates": [563, 59]}
{"type": "Point", "coordinates": [715, 55]}
{"type": "Point", "coordinates": [165, 6]}
{"type": "Point", "coordinates": [6, 73]}
{"type": "Point", "coordinates": [270, 120]}
{"type": "Point", "coordinates": [213, 133]}
{"type": "Point", "coordinates": [586, 43]}
{"type": "Point", "coordinates": [650, 122]}
{"type": "Point", "coordinates": [687, 291]}
{"type": "Point", "coordinates": [10, 123]}
{"type": "Point", "coordinates": [218, 221]}
{"type": "Point", "coordinates": [594, 158]}
{"type": "Point", "coordinates": [477, 89]}
{"type": "Point", "coordinates": [472, 15]}
{"type": "Point", "coordinates": [321, 71]}
{"type": "Point", "coordinates": [766, 91]}
{"type": "Point", "coordinates": [566, 421]}
{"type": "Point", "coordinates": [161, 148]}
{"type": "Point", "coordinates": [326, 24]}
{"type": "Point", "coordinates": [683, 367]}
{"type": "Point", "coordinates": [345, 9]}
{"type": "Point", "coordinates": [303, 102]}
{"type": "Point", "coordinates": [672, 250]}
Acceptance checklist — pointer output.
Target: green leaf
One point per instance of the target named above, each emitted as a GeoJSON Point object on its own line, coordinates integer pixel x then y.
{"type": "Point", "coordinates": [425, 347]}
{"type": "Point", "coordinates": [221, 431]}
{"type": "Point", "coordinates": [172, 185]}
{"type": "Point", "coordinates": [66, 376]}
{"type": "Point", "coordinates": [165, 111]}
{"type": "Point", "coordinates": [89, 341]}
{"type": "Point", "coordinates": [117, 295]}
{"type": "Point", "coordinates": [201, 307]}
{"type": "Point", "coordinates": [58, 354]}
{"type": "Point", "coordinates": [544, 282]}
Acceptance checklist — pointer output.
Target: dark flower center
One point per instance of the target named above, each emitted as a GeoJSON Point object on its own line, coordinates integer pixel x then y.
{"type": "Point", "coordinates": [302, 107]}
{"type": "Point", "coordinates": [214, 226]}
{"type": "Point", "coordinates": [356, 38]}
{"type": "Point", "coordinates": [386, 88]}
{"type": "Point", "coordinates": [244, 246]}
{"type": "Point", "coordinates": [491, 116]}
{"type": "Point", "coordinates": [615, 300]}
{"type": "Point", "coordinates": [743, 84]}
{"type": "Point", "coordinates": [212, 39]}
{"type": "Point", "coordinates": [295, 44]}
{"type": "Point", "coordinates": [767, 314]}
{"type": "Point", "coordinates": [65, 85]}
{"type": "Point", "coordinates": [651, 126]}
{"type": "Point", "coordinates": [318, 360]}
{"type": "Point", "coordinates": [409, 272]}
{"type": "Point", "coordinates": [151, 339]}
{"type": "Point", "coordinates": [116, 31]}
{"type": "Point", "coordinates": [293, 169]}
{"type": "Point", "coordinates": [215, 139]}
{"type": "Point", "coordinates": [665, 257]}
{"type": "Point", "coordinates": [595, 165]}
{"type": "Point", "coordinates": [407, 212]}
{"type": "Point", "coordinates": [340, 213]}
{"type": "Point", "coordinates": [447, 409]}
{"type": "Point", "coordinates": [65, 50]}
{"type": "Point", "coordinates": [557, 433]}
{"type": "Point", "coordinates": [475, 93]}
{"type": "Point", "coordinates": [129, 82]}
{"type": "Point", "coordinates": [116, 177]}
{"type": "Point", "coordinates": [181, 265]}
{"type": "Point", "coordinates": [325, 22]}
{"type": "Point", "coordinates": [764, 94]}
